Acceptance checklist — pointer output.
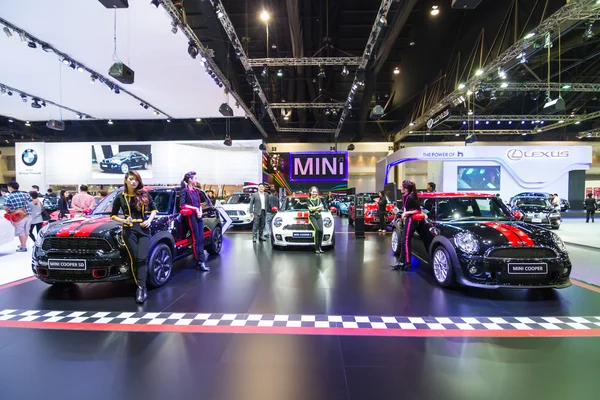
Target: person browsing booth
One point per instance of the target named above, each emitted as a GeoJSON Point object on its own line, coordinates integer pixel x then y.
{"type": "Point", "coordinates": [258, 206]}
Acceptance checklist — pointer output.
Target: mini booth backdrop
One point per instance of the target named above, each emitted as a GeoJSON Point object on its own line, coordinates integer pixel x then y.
{"type": "Point", "coordinates": [119, 159]}
{"type": "Point", "coordinates": [297, 172]}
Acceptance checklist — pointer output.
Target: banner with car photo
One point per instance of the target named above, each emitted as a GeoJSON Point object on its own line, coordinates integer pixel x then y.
{"type": "Point", "coordinates": [110, 161]}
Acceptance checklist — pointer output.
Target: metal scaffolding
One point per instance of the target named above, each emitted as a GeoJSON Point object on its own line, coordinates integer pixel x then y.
{"type": "Point", "coordinates": [358, 79]}
{"type": "Point", "coordinates": [595, 133]}
{"type": "Point", "coordinates": [307, 105]}
{"type": "Point", "coordinates": [540, 87]}
{"type": "Point", "coordinates": [465, 132]}
{"type": "Point", "coordinates": [178, 19]}
{"type": "Point", "coordinates": [303, 62]}
{"type": "Point", "coordinates": [514, 118]}
{"type": "Point", "coordinates": [575, 120]}
{"type": "Point", "coordinates": [306, 130]}
{"type": "Point", "coordinates": [574, 10]}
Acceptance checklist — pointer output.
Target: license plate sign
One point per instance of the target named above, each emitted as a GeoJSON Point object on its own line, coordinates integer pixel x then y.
{"type": "Point", "coordinates": [536, 220]}
{"type": "Point", "coordinates": [302, 234]}
{"type": "Point", "coordinates": [531, 268]}
{"type": "Point", "coordinates": [234, 218]}
{"type": "Point", "coordinates": [67, 264]}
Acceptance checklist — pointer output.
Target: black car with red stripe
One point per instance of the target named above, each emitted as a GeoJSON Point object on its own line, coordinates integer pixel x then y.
{"type": "Point", "coordinates": [91, 248]}
{"type": "Point", "coordinates": [473, 239]}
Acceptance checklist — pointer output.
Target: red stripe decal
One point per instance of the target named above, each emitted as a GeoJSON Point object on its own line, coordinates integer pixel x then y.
{"type": "Point", "coordinates": [66, 231]}
{"type": "Point", "coordinates": [206, 234]}
{"type": "Point", "coordinates": [524, 237]}
{"type": "Point", "coordinates": [184, 242]}
{"type": "Point", "coordinates": [88, 226]}
{"type": "Point", "coordinates": [512, 238]}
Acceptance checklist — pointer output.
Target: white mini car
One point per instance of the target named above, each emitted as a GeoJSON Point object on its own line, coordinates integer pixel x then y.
{"type": "Point", "coordinates": [237, 208]}
{"type": "Point", "coordinates": [291, 226]}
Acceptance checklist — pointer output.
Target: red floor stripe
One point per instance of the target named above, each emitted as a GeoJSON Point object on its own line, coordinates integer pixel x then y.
{"type": "Point", "coordinates": [19, 282]}
{"type": "Point", "coordinates": [82, 326]}
{"type": "Point", "coordinates": [585, 285]}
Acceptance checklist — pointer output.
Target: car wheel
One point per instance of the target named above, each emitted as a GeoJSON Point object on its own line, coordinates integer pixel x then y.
{"type": "Point", "coordinates": [146, 165]}
{"type": "Point", "coordinates": [395, 242]}
{"type": "Point", "coordinates": [160, 265]}
{"type": "Point", "coordinates": [216, 241]}
{"type": "Point", "coordinates": [442, 267]}
{"type": "Point", "coordinates": [124, 168]}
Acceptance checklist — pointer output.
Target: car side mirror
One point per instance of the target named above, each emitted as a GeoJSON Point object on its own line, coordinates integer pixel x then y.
{"type": "Point", "coordinates": [333, 210]}
{"type": "Point", "coordinates": [517, 214]}
{"type": "Point", "coordinates": [274, 209]}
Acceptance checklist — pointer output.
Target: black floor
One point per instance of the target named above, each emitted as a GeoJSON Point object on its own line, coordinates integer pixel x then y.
{"type": "Point", "coordinates": [354, 279]}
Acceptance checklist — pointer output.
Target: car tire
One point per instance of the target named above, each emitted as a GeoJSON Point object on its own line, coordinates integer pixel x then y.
{"type": "Point", "coordinates": [124, 168]}
{"type": "Point", "coordinates": [216, 241]}
{"type": "Point", "coordinates": [160, 265]}
{"type": "Point", "coordinates": [145, 165]}
{"type": "Point", "coordinates": [443, 271]}
{"type": "Point", "coordinates": [395, 242]}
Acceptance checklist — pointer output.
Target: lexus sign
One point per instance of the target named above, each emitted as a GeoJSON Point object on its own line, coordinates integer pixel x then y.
{"type": "Point", "coordinates": [517, 154]}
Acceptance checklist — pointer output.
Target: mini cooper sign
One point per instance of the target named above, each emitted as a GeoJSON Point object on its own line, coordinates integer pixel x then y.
{"type": "Point", "coordinates": [325, 166]}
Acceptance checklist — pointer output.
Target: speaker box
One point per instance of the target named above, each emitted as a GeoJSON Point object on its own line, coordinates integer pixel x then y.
{"type": "Point", "coordinates": [122, 73]}
{"type": "Point", "coordinates": [225, 110]}
{"type": "Point", "coordinates": [55, 125]}
{"type": "Point", "coordinates": [115, 3]}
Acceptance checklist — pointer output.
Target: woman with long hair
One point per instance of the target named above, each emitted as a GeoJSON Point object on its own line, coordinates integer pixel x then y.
{"type": "Point", "coordinates": [135, 202]}
{"type": "Point", "coordinates": [192, 203]}
{"type": "Point", "coordinates": [63, 204]}
{"type": "Point", "coordinates": [381, 210]}
{"type": "Point", "coordinates": [315, 207]}
{"type": "Point", "coordinates": [410, 207]}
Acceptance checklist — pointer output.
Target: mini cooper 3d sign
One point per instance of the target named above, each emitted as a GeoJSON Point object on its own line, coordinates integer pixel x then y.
{"type": "Point", "coordinates": [325, 166]}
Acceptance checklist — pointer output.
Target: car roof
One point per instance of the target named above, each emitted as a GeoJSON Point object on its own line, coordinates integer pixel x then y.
{"type": "Point", "coordinates": [443, 195]}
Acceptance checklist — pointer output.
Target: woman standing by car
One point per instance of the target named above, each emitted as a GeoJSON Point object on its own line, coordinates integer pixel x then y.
{"type": "Point", "coordinates": [381, 210]}
{"type": "Point", "coordinates": [191, 208]}
{"type": "Point", "coordinates": [410, 206]}
{"type": "Point", "coordinates": [315, 206]}
{"type": "Point", "coordinates": [63, 204]}
{"type": "Point", "coordinates": [135, 202]}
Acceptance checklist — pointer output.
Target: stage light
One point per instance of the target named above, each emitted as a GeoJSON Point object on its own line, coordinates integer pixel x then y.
{"type": "Point", "coordinates": [345, 71]}
{"type": "Point", "coordinates": [280, 73]}
{"type": "Point", "coordinates": [93, 78]}
{"type": "Point", "coordinates": [192, 50]}
{"type": "Point", "coordinates": [461, 86]}
{"type": "Point", "coordinates": [8, 32]}
{"type": "Point", "coordinates": [198, 119]}
{"type": "Point", "coordinates": [577, 122]}
{"type": "Point", "coordinates": [156, 112]}
{"type": "Point", "coordinates": [382, 21]}
{"type": "Point", "coordinates": [562, 121]}
{"type": "Point", "coordinates": [168, 120]}
{"type": "Point", "coordinates": [174, 27]}
{"type": "Point", "coordinates": [523, 134]}
{"type": "Point", "coordinates": [110, 122]}
{"type": "Point", "coordinates": [117, 90]}
{"type": "Point", "coordinates": [227, 141]}
{"type": "Point", "coordinates": [24, 98]}
{"type": "Point", "coordinates": [476, 122]}
{"type": "Point", "coordinates": [66, 61]}
{"type": "Point", "coordinates": [523, 58]}
{"type": "Point", "coordinates": [504, 85]}
{"type": "Point", "coordinates": [265, 70]}
{"type": "Point", "coordinates": [155, 3]}
{"type": "Point", "coordinates": [412, 124]}
{"type": "Point", "coordinates": [10, 121]}
{"type": "Point", "coordinates": [264, 16]}
{"type": "Point", "coordinates": [435, 10]}
{"type": "Point", "coordinates": [529, 35]}
{"type": "Point", "coordinates": [351, 147]}
{"type": "Point", "coordinates": [501, 73]}
{"type": "Point", "coordinates": [464, 122]}
{"type": "Point", "coordinates": [396, 70]}
{"type": "Point", "coordinates": [510, 122]}
{"type": "Point", "coordinates": [487, 122]}
{"type": "Point", "coordinates": [36, 103]}
{"type": "Point", "coordinates": [27, 123]}
{"type": "Point", "coordinates": [321, 73]}
{"type": "Point", "coordinates": [31, 44]}
{"type": "Point", "coordinates": [286, 117]}
{"type": "Point", "coordinates": [498, 122]}
{"type": "Point", "coordinates": [566, 86]}
{"type": "Point", "coordinates": [470, 112]}
{"type": "Point", "coordinates": [479, 72]}
{"type": "Point", "coordinates": [457, 134]}
{"type": "Point", "coordinates": [522, 122]}
{"type": "Point", "coordinates": [80, 69]}
{"type": "Point", "coordinates": [80, 116]}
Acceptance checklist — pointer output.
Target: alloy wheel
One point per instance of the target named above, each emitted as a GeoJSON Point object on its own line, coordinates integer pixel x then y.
{"type": "Point", "coordinates": [162, 266]}
{"type": "Point", "coordinates": [124, 168]}
{"type": "Point", "coordinates": [395, 240]}
{"type": "Point", "coordinates": [218, 240]}
{"type": "Point", "coordinates": [441, 265]}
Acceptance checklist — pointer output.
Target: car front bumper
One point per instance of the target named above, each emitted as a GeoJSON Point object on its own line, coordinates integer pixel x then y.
{"type": "Point", "coordinates": [286, 238]}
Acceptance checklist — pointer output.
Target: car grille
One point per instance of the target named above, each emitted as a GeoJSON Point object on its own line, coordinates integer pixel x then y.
{"type": "Point", "coordinates": [76, 244]}
{"type": "Point", "coordinates": [522, 253]}
{"type": "Point", "coordinates": [298, 227]}
{"type": "Point", "coordinates": [71, 275]}
{"type": "Point", "coordinates": [299, 240]}
{"type": "Point", "coordinates": [235, 212]}
{"type": "Point", "coordinates": [528, 279]}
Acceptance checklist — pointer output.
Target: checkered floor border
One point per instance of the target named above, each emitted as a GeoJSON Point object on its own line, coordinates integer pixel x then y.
{"type": "Point", "coordinates": [302, 321]}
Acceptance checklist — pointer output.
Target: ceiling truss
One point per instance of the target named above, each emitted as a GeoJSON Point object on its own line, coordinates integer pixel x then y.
{"type": "Point", "coordinates": [307, 105]}
{"type": "Point", "coordinates": [303, 61]}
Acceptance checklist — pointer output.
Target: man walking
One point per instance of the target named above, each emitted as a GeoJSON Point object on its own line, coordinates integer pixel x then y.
{"type": "Point", "coordinates": [590, 208]}
{"type": "Point", "coordinates": [273, 202]}
{"type": "Point", "coordinates": [19, 201]}
{"type": "Point", "coordinates": [258, 207]}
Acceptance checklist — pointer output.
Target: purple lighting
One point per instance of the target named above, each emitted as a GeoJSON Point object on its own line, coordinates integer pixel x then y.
{"type": "Point", "coordinates": [325, 166]}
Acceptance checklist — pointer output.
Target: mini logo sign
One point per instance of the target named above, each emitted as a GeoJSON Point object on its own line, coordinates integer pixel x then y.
{"type": "Point", "coordinates": [326, 166]}
{"type": "Point", "coordinates": [517, 154]}
{"type": "Point", "coordinates": [29, 157]}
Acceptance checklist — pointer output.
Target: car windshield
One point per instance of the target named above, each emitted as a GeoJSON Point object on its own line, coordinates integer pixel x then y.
{"type": "Point", "coordinates": [122, 154]}
{"type": "Point", "coordinates": [485, 208]}
{"type": "Point", "coordinates": [372, 196]}
{"type": "Point", "coordinates": [162, 201]}
{"type": "Point", "coordinates": [239, 199]}
{"type": "Point", "coordinates": [532, 202]}
{"type": "Point", "coordinates": [296, 204]}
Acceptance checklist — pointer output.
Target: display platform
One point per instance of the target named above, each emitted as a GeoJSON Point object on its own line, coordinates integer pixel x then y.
{"type": "Point", "coordinates": [290, 324]}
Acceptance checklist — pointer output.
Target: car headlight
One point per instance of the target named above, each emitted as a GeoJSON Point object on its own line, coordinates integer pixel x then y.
{"type": "Point", "coordinates": [466, 242]}
{"type": "Point", "coordinates": [559, 243]}
{"type": "Point", "coordinates": [277, 222]}
{"type": "Point", "coordinates": [41, 234]}
{"type": "Point", "coordinates": [327, 222]}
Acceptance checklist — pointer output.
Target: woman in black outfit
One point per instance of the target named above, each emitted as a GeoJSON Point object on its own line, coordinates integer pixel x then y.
{"type": "Point", "coordinates": [135, 202]}
{"type": "Point", "coordinates": [190, 200]}
{"type": "Point", "coordinates": [315, 206]}
{"type": "Point", "coordinates": [63, 205]}
{"type": "Point", "coordinates": [411, 206]}
{"type": "Point", "coordinates": [381, 209]}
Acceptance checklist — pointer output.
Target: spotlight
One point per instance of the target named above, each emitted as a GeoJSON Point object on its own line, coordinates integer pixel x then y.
{"type": "Point", "coordinates": [498, 122]}
{"type": "Point", "coordinates": [174, 27]}
{"type": "Point", "coordinates": [435, 10]}
{"type": "Point", "coordinates": [8, 32]}
{"type": "Point", "coordinates": [280, 73]}
{"type": "Point", "coordinates": [168, 120]}
{"type": "Point", "coordinates": [31, 44]}
{"type": "Point", "coordinates": [24, 98]}
{"type": "Point", "coordinates": [36, 103]}
{"type": "Point", "coordinates": [66, 61]}
{"type": "Point", "coordinates": [93, 78]}
{"type": "Point", "coordinates": [501, 73]}
{"type": "Point", "coordinates": [80, 116]}
{"type": "Point", "coordinates": [566, 86]}
{"type": "Point", "coordinates": [10, 121]}
{"type": "Point", "coordinates": [192, 50]}
{"type": "Point", "coordinates": [265, 70]}
{"type": "Point", "coordinates": [529, 35]}
{"type": "Point", "coordinates": [523, 58]}
{"type": "Point", "coordinates": [321, 73]}
{"type": "Point", "coordinates": [412, 124]}
{"type": "Point", "coordinates": [46, 48]}
{"type": "Point", "coordinates": [351, 147]}
{"type": "Point", "coordinates": [117, 90]}
{"type": "Point", "coordinates": [27, 123]}
{"type": "Point", "coordinates": [396, 70]}
{"type": "Point", "coordinates": [146, 106]}
{"type": "Point", "coordinates": [156, 112]}
{"type": "Point", "coordinates": [286, 117]}
{"type": "Point", "coordinates": [155, 3]}
{"type": "Point", "coordinates": [262, 147]}
{"type": "Point", "coordinates": [80, 69]}
{"type": "Point", "coordinates": [198, 119]}
{"type": "Point", "coordinates": [382, 21]}
{"type": "Point", "coordinates": [345, 71]}
{"type": "Point", "coordinates": [589, 33]}
{"type": "Point", "coordinates": [219, 12]}
{"type": "Point", "coordinates": [504, 85]}
{"type": "Point", "coordinates": [227, 141]}
{"type": "Point", "coordinates": [461, 86]}
{"type": "Point", "coordinates": [510, 122]}
{"type": "Point", "coordinates": [264, 16]}
{"type": "Point", "coordinates": [110, 122]}
{"type": "Point", "coordinates": [479, 72]}
{"type": "Point", "coordinates": [334, 112]}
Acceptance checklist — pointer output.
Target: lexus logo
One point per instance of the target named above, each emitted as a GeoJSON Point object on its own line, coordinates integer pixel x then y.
{"type": "Point", "coordinates": [516, 154]}
{"type": "Point", "coordinates": [430, 123]}
{"type": "Point", "coordinates": [29, 157]}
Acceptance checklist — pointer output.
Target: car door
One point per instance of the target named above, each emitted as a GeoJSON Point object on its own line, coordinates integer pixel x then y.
{"type": "Point", "coordinates": [210, 214]}
{"type": "Point", "coordinates": [179, 226]}
{"type": "Point", "coordinates": [419, 248]}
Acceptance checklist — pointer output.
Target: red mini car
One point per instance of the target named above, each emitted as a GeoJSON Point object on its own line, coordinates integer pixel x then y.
{"type": "Point", "coordinates": [371, 213]}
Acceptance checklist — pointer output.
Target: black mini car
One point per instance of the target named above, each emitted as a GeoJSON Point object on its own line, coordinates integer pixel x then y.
{"type": "Point", "coordinates": [124, 161]}
{"type": "Point", "coordinates": [474, 240]}
{"type": "Point", "coordinates": [91, 249]}
{"type": "Point", "coordinates": [537, 210]}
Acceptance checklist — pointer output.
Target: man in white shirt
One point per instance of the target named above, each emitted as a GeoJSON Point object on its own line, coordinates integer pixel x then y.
{"type": "Point", "coordinates": [258, 206]}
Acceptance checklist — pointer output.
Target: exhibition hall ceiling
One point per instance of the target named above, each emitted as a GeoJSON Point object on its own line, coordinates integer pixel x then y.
{"type": "Point", "coordinates": [166, 77]}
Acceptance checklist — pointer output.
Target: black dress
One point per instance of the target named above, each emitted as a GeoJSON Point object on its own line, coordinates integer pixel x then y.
{"type": "Point", "coordinates": [316, 221]}
{"type": "Point", "coordinates": [381, 208]}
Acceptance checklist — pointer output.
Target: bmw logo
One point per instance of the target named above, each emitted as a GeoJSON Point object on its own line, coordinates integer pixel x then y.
{"type": "Point", "coordinates": [29, 157]}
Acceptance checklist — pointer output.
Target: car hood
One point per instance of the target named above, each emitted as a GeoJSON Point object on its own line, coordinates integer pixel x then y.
{"type": "Point", "coordinates": [112, 159]}
{"type": "Point", "coordinates": [83, 227]}
{"type": "Point", "coordinates": [291, 216]}
{"type": "Point", "coordinates": [243, 207]}
{"type": "Point", "coordinates": [506, 233]}
{"type": "Point", "coordinates": [534, 209]}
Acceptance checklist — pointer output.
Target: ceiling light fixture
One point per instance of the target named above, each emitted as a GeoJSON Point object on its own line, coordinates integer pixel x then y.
{"type": "Point", "coordinates": [168, 120]}
{"type": "Point", "coordinates": [435, 10]}
{"type": "Point", "coordinates": [198, 119]}
{"type": "Point", "coordinates": [110, 122]}
{"type": "Point", "coordinates": [192, 50]}
{"type": "Point", "coordinates": [280, 73]}
{"type": "Point", "coordinates": [27, 123]}
{"type": "Point", "coordinates": [8, 32]}
{"type": "Point", "coordinates": [529, 35]}
{"type": "Point", "coordinates": [321, 73]}
{"type": "Point", "coordinates": [264, 16]}
{"type": "Point", "coordinates": [155, 3]}
{"type": "Point", "coordinates": [396, 70]}
{"type": "Point", "coordinates": [479, 72]}
{"type": "Point", "coordinates": [24, 98]}
{"type": "Point", "coordinates": [345, 71]}
{"type": "Point", "coordinates": [461, 86]}
{"type": "Point", "coordinates": [504, 85]}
